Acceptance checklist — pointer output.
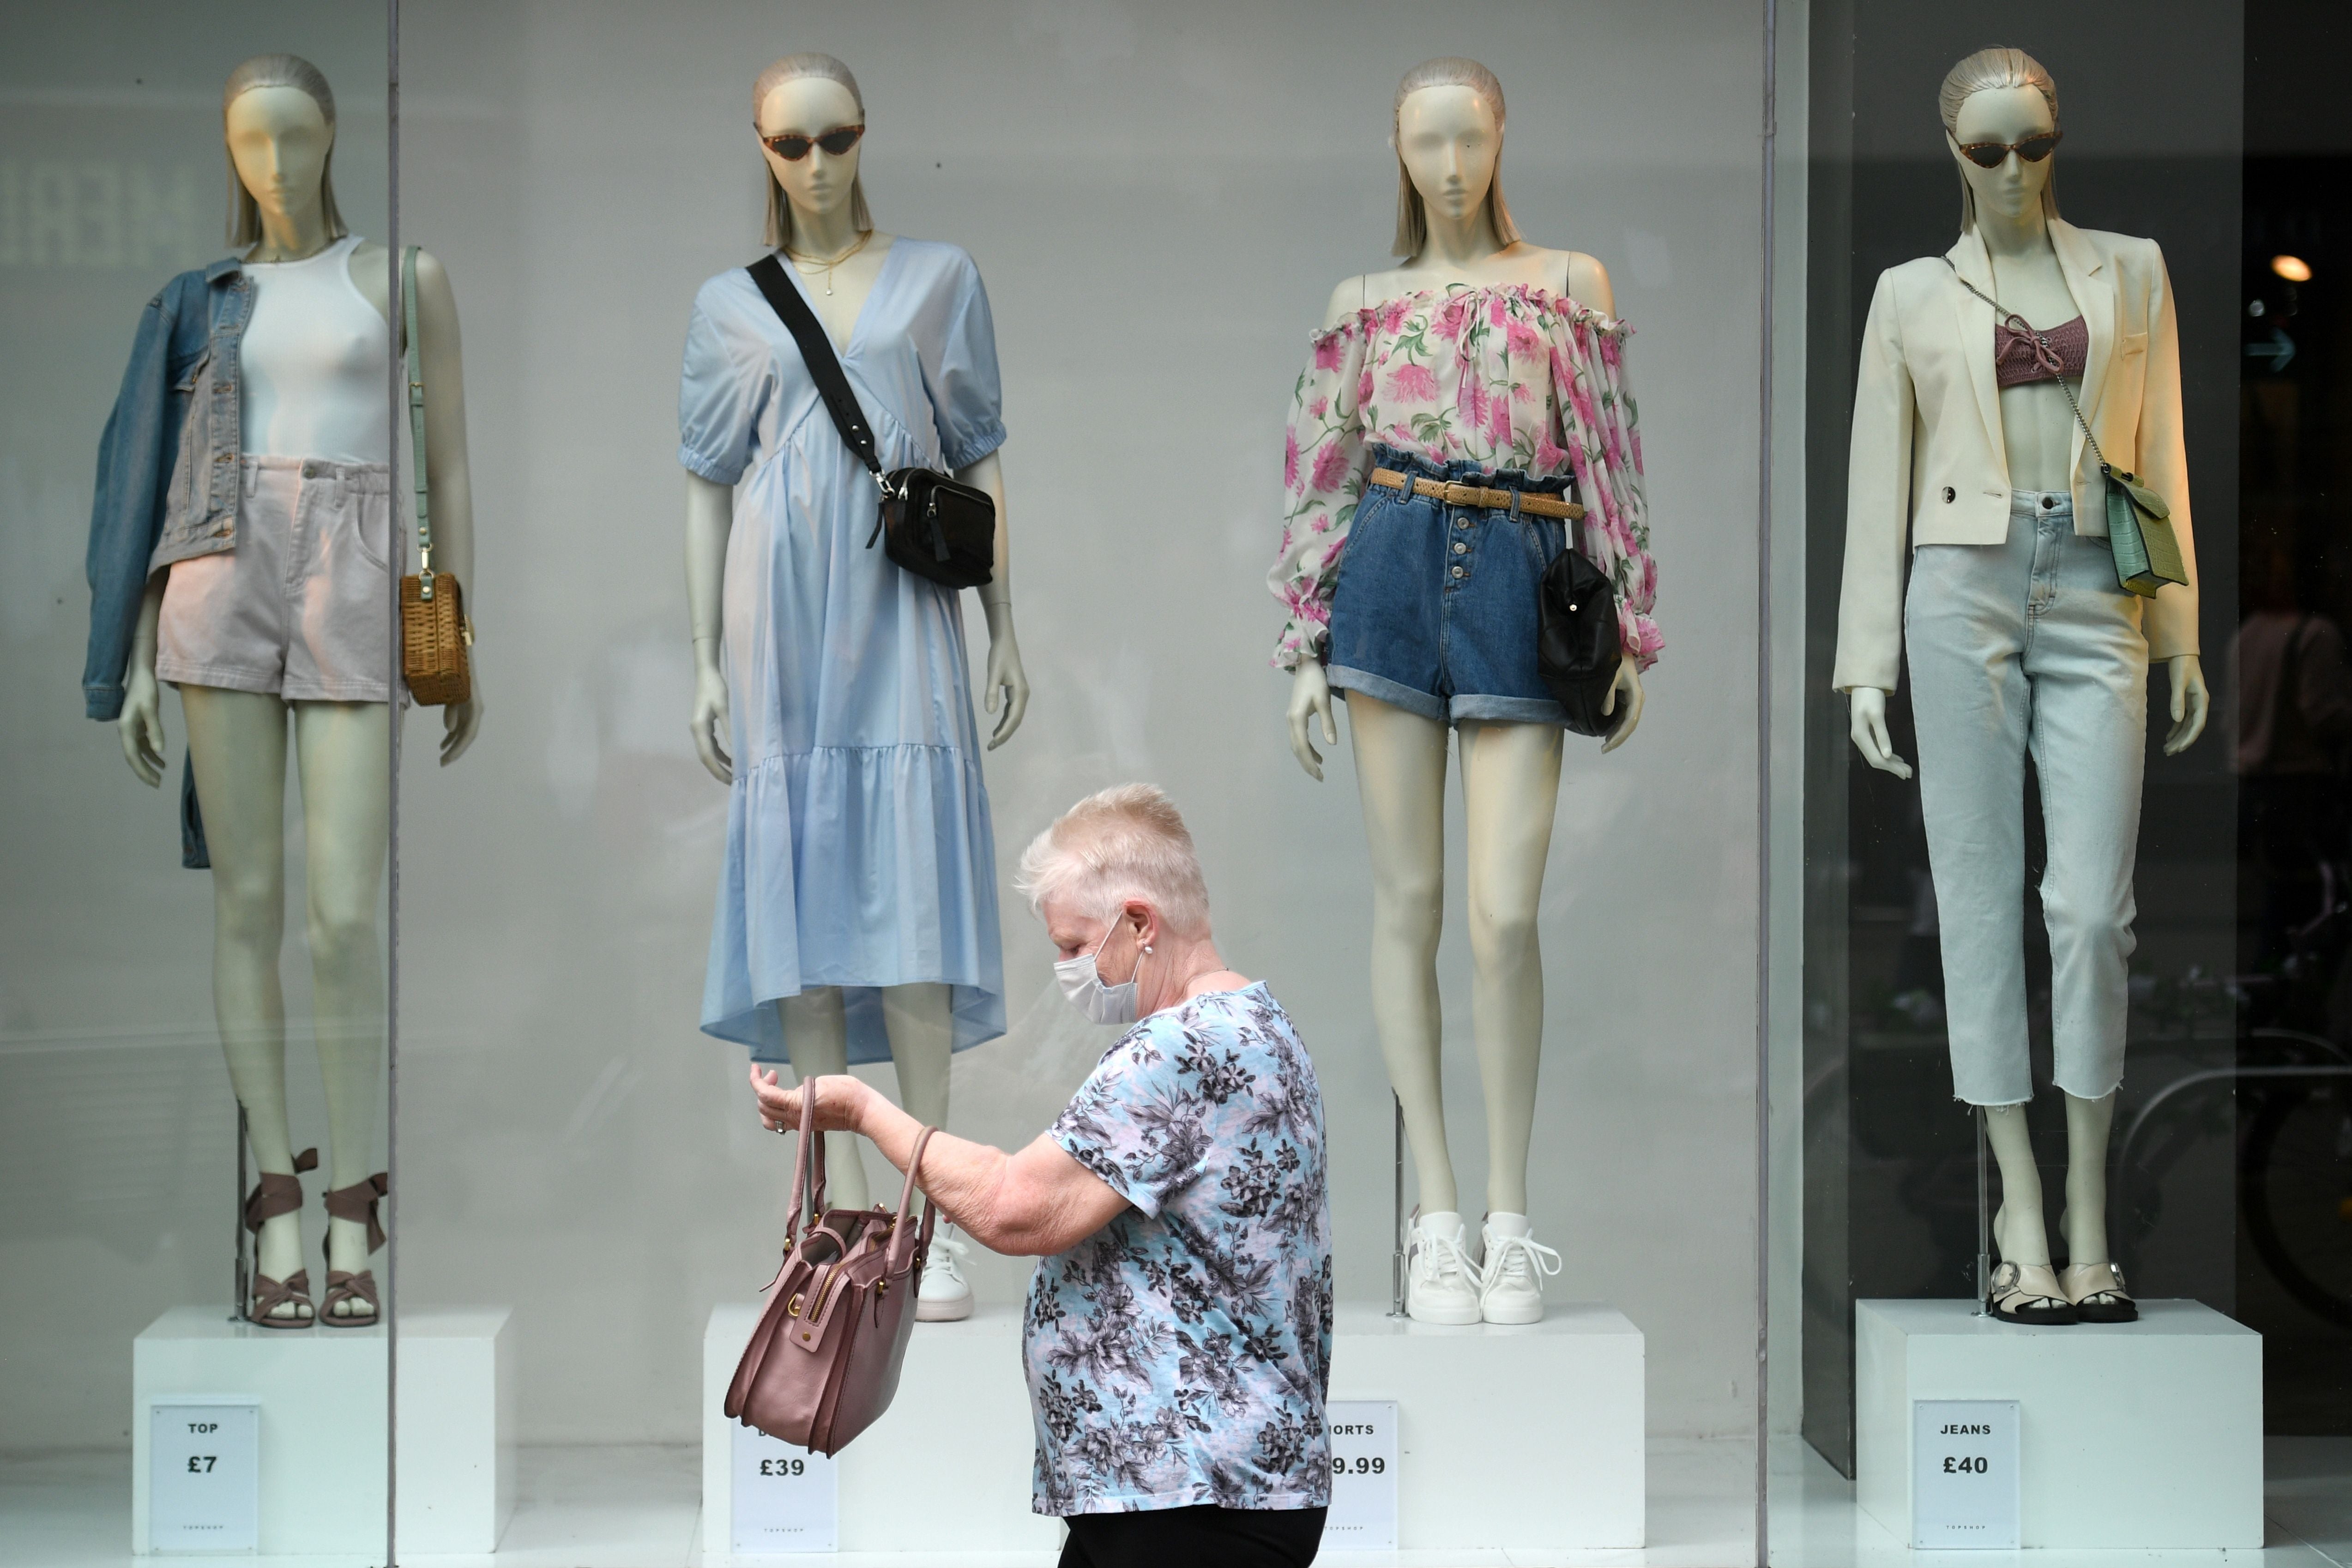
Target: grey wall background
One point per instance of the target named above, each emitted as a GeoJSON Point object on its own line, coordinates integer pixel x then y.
{"type": "Point", "coordinates": [1160, 199]}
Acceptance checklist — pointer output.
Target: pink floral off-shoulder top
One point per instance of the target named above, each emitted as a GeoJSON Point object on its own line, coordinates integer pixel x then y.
{"type": "Point", "coordinates": [1505, 375]}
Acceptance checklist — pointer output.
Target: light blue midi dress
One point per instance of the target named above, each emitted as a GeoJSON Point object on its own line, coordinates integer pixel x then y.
{"type": "Point", "coordinates": [859, 852]}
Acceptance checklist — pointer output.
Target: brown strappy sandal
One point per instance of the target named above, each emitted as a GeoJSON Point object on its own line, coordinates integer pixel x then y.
{"type": "Point", "coordinates": [356, 1201]}
{"type": "Point", "coordinates": [278, 1194]}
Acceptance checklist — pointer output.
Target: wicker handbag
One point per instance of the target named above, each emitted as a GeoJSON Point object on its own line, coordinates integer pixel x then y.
{"type": "Point", "coordinates": [433, 631]}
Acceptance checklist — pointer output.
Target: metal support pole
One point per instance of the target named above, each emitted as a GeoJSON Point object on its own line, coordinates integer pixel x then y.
{"type": "Point", "coordinates": [1396, 1254]}
{"type": "Point", "coordinates": [1984, 1218]}
{"type": "Point", "coordinates": [236, 1208]}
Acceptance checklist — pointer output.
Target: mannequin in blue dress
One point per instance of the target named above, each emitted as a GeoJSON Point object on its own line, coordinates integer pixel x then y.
{"type": "Point", "coordinates": [859, 807]}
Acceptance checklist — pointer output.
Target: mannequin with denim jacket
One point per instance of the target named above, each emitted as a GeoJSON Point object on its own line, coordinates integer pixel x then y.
{"type": "Point", "coordinates": [1997, 103]}
{"type": "Point", "coordinates": [279, 136]}
{"type": "Point", "coordinates": [841, 265]}
{"type": "Point", "coordinates": [1449, 136]}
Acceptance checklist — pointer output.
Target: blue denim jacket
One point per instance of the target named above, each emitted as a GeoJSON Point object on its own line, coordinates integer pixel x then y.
{"type": "Point", "coordinates": [169, 468]}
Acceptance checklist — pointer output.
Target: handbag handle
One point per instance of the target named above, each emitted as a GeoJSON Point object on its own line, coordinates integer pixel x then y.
{"type": "Point", "coordinates": [899, 1253]}
{"type": "Point", "coordinates": [808, 1171]}
{"type": "Point", "coordinates": [416, 422]}
{"type": "Point", "coordinates": [817, 353]}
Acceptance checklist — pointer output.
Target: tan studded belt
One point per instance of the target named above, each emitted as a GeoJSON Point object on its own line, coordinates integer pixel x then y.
{"type": "Point", "coordinates": [1529, 502]}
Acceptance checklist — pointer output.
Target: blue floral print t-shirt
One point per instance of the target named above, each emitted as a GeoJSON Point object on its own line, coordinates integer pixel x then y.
{"type": "Point", "coordinates": [1181, 1354]}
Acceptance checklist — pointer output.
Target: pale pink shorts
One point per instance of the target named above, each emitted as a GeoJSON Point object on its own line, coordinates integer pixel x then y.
{"type": "Point", "coordinates": [302, 606]}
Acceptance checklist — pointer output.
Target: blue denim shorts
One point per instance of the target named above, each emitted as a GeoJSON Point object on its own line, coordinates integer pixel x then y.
{"type": "Point", "coordinates": [1434, 609]}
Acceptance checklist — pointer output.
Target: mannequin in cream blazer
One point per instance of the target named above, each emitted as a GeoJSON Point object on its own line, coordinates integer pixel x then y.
{"type": "Point", "coordinates": [2021, 639]}
{"type": "Point", "coordinates": [1929, 464]}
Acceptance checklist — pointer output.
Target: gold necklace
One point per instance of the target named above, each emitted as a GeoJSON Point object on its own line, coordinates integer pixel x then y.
{"type": "Point", "coordinates": [798, 260]}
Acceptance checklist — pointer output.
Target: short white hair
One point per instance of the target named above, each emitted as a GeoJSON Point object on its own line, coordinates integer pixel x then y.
{"type": "Point", "coordinates": [1122, 843]}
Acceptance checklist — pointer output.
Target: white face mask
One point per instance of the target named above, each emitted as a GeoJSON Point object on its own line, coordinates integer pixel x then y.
{"type": "Point", "coordinates": [1082, 982]}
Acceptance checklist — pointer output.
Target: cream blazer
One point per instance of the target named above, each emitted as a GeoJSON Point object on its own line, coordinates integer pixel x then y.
{"type": "Point", "coordinates": [1929, 465]}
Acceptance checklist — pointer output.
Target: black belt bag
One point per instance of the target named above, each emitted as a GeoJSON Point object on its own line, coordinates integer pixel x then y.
{"type": "Point", "coordinates": [1578, 649]}
{"type": "Point", "coordinates": [928, 523]}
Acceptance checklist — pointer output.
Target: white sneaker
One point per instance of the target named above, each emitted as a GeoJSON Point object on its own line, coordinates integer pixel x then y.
{"type": "Point", "coordinates": [1512, 1289]}
{"type": "Point", "coordinates": [943, 1297]}
{"type": "Point", "coordinates": [1440, 1283]}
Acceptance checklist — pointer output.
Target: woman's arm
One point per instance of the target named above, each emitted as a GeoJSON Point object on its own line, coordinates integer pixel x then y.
{"type": "Point", "coordinates": [1033, 1204]}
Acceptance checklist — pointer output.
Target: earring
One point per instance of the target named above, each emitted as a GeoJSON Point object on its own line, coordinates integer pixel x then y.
{"type": "Point", "coordinates": [1146, 947]}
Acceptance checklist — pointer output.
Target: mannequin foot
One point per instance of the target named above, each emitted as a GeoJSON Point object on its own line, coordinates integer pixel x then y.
{"type": "Point", "coordinates": [2028, 1293]}
{"type": "Point", "coordinates": [944, 1296]}
{"type": "Point", "coordinates": [1440, 1283]}
{"type": "Point", "coordinates": [2098, 1293]}
{"type": "Point", "coordinates": [1511, 1289]}
{"type": "Point", "coordinates": [353, 1232]}
{"type": "Point", "coordinates": [281, 1285]}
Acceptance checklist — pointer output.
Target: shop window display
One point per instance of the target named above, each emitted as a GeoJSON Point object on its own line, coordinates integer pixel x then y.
{"type": "Point", "coordinates": [1756, 1028]}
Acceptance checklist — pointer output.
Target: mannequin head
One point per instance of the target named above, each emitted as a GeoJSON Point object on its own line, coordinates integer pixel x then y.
{"type": "Point", "coordinates": [809, 94]}
{"type": "Point", "coordinates": [278, 119]}
{"type": "Point", "coordinates": [2005, 96]}
{"type": "Point", "coordinates": [1447, 128]}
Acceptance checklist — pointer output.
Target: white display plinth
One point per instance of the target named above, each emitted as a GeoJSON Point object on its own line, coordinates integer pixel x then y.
{"type": "Point", "coordinates": [946, 1468]}
{"type": "Point", "coordinates": [1528, 1437]}
{"type": "Point", "coordinates": [322, 1422]}
{"type": "Point", "coordinates": [2133, 1436]}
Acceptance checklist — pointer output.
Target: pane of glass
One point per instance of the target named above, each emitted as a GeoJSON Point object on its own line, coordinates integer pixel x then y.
{"type": "Point", "coordinates": [140, 1410]}
{"type": "Point", "coordinates": [1161, 206]}
{"type": "Point", "coordinates": [2034, 919]}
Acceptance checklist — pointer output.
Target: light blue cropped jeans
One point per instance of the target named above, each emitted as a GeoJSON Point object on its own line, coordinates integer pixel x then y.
{"type": "Point", "coordinates": [2030, 645]}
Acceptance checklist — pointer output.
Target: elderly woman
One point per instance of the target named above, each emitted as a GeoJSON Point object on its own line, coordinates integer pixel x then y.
{"type": "Point", "coordinates": [1178, 1336]}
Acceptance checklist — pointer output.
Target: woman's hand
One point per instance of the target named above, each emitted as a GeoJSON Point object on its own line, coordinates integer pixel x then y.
{"type": "Point", "coordinates": [2191, 703]}
{"type": "Point", "coordinates": [1629, 687]}
{"type": "Point", "coordinates": [142, 724]}
{"type": "Point", "coordinates": [840, 1101]}
{"type": "Point", "coordinates": [1866, 727]}
{"type": "Point", "coordinates": [1311, 696]}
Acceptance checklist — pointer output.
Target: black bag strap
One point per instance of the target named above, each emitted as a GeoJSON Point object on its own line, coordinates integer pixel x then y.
{"type": "Point", "coordinates": [816, 353]}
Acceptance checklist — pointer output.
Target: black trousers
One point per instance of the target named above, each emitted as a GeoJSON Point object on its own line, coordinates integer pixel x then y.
{"type": "Point", "coordinates": [1192, 1537]}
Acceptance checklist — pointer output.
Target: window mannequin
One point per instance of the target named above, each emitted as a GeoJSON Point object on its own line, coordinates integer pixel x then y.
{"type": "Point", "coordinates": [2000, 499]}
{"type": "Point", "coordinates": [1462, 255]}
{"type": "Point", "coordinates": [315, 421]}
{"type": "Point", "coordinates": [786, 602]}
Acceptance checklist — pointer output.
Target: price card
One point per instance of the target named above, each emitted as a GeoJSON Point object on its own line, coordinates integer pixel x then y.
{"type": "Point", "coordinates": [204, 1474]}
{"type": "Point", "coordinates": [1364, 1516]}
{"type": "Point", "coordinates": [786, 1499]}
{"type": "Point", "coordinates": [1966, 1482]}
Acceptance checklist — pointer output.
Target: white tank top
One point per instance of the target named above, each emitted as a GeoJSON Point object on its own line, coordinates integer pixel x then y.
{"type": "Point", "coordinates": [316, 361]}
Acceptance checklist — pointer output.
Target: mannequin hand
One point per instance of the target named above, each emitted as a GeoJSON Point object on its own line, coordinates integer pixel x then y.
{"type": "Point", "coordinates": [711, 724]}
{"type": "Point", "coordinates": [461, 721]}
{"type": "Point", "coordinates": [1008, 684]}
{"type": "Point", "coordinates": [839, 1099]}
{"type": "Point", "coordinates": [141, 725]}
{"type": "Point", "coordinates": [1628, 685]}
{"type": "Point", "coordinates": [1311, 696]}
{"type": "Point", "coordinates": [2191, 703]}
{"type": "Point", "coordinates": [1867, 726]}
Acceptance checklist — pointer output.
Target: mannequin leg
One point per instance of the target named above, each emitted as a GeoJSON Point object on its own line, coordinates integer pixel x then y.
{"type": "Point", "coordinates": [1510, 788]}
{"type": "Point", "coordinates": [816, 1037]}
{"type": "Point", "coordinates": [922, 1038]}
{"type": "Point", "coordinates": [1401, 773]}
{"type": "Point", "coordinates": [2017, 1226]}
{"type": "Point", "coordinates": [343, 751]}
{"type": "Point", "coordinates": [236, 741]}
{"type": "Point", "coordinates": [2088, 1122]}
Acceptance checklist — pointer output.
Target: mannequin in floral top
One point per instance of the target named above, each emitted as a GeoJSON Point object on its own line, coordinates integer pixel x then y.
{"type": "Point", "coordinates": [1488, 361]}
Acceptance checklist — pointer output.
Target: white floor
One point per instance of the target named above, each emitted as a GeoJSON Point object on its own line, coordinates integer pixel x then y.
{"type": "Point", "coordinates": [637, 1508]}
{"type": "Point", "coordinates": [2308, 1506]}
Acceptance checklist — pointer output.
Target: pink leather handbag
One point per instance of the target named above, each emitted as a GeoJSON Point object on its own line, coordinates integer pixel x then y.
{"type": "Point", "coordinates": [824, 1360]}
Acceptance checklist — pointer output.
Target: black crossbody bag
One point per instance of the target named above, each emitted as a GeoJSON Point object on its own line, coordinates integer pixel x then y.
{"type": "Point", "coordinates": [928, 523]}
